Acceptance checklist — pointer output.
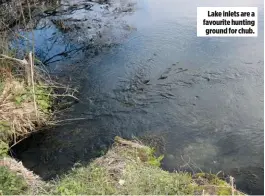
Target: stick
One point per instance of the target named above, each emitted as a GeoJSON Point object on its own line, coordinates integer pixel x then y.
{"type": "Point", "coordinates": [33, 85]}
{"type": "Point", "coordinates": [23, 62]}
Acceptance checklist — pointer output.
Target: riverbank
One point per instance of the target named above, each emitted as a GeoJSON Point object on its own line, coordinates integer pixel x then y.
{"type": "Point", "coordinates": [129, 167]}
{"type": "Point", "coordinates": [25, 100]}
{"type": "Point", "coordinates": [29, 95]}
{"type": "Point", "coordinates": [29, 98]}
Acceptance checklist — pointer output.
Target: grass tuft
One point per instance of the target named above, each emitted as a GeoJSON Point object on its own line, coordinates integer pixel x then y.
{"type": "Point", "coordinates": [18, 114]}
{"type": "Point", "coordinates": [124, 169]}
{"type": "Point", "coordinates": [11, 183]}
{"type": "Point", "coordinates": [132, 168]}
{"type": "Point", "coordinates": [93, 180]}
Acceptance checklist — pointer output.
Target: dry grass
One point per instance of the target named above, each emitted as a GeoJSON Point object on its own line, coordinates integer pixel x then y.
{"type": "Point", "coordinates": [22, 110]}
{"type": "Point", "coordinates": [27, 92]}
{"type": "Point", "coordinates": [19, 115]}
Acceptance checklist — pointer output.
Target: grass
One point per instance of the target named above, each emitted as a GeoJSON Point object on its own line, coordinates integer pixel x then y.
{"type": "Point", "coordinates": [4, 148]}
{"type": "Point", "coordinates": [20, 113]}
{"type": "Point", "coordinates": [27, 99]}
{"type": "Point", "coordinates": [11, 183]}
{"type": "Point", "coordinates": [27, 96]}
{"type": "Point", "coordinates": [92, 180]}
{"type": "Point", "coordinates": [136, 179]}
{"type": "Point", "coordinates": [16, 179]}
{"type": "Point", "coordinates": [127, 169]}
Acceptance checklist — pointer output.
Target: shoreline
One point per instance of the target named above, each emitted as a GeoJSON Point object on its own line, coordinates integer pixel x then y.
{"type": "Point", "coordinates": [129, 167]}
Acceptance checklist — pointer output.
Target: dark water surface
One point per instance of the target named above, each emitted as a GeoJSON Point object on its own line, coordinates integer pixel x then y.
{"type": "Point", "coordinates": [203, 96]}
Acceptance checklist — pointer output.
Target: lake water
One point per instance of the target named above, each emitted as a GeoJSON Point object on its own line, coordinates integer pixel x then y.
{"type": "Point", "coordinates": [202, 96]}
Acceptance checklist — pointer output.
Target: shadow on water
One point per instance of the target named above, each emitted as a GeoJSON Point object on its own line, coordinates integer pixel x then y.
{"type": "Point", "coordinates": [59, 151]}
{"type": "Point", "coordinates": [202, 97]}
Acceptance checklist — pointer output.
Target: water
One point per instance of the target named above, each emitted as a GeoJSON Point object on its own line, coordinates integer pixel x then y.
{"type": "Point", "coordinates": [155, 78]}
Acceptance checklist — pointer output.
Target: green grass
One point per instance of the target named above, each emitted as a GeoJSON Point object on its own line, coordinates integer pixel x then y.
{"type": "Point", "coordinates": [43, 97]}
{"type": "Point", "coordinates": [134, 171]}
{"type": "Point", "coordinates": [92, 180]}
{"type": "Point", "coordinates": [4, 148]}
{"type": "Point", "coordinates": [136, 179]}
{"type": "Point", "coordinates": [150, 180]}
{"type": "Point", "coordinates": [22, 99]}
{"type": "Point", "coordinates": [11, 183]}
{"type": "Point", "coordinates": [214, 185]}
{"type": "Point", "coordinates": [128, 168]}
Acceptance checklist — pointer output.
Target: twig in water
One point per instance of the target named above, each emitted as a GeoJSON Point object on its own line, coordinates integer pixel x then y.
{"type": "Point", "coordinates": [187, 164]}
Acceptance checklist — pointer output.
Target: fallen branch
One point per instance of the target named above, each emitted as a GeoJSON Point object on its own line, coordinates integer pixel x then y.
{"type": "Point", "coordinates": [23, 62]}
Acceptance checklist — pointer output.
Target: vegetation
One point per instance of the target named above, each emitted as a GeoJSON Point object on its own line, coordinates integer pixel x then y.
{"type": "Point", "coordinates": [16, 179]}
{"type": "Point", "coordinates": [27, 92]}
{"type": "Point", "coordinates": [132, 168]}
{"type": "Point", "coordinates": [127, 168]}
{"type": "Point", "coordinates": [27, 97]}
{"type": "Point", "coordinates": [11, 183]}
{"type": "Point", "coordinates": [24, 106]}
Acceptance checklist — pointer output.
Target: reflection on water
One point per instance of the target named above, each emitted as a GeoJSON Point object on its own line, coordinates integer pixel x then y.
{"type": "Point", "coordinates": [204, 96]}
